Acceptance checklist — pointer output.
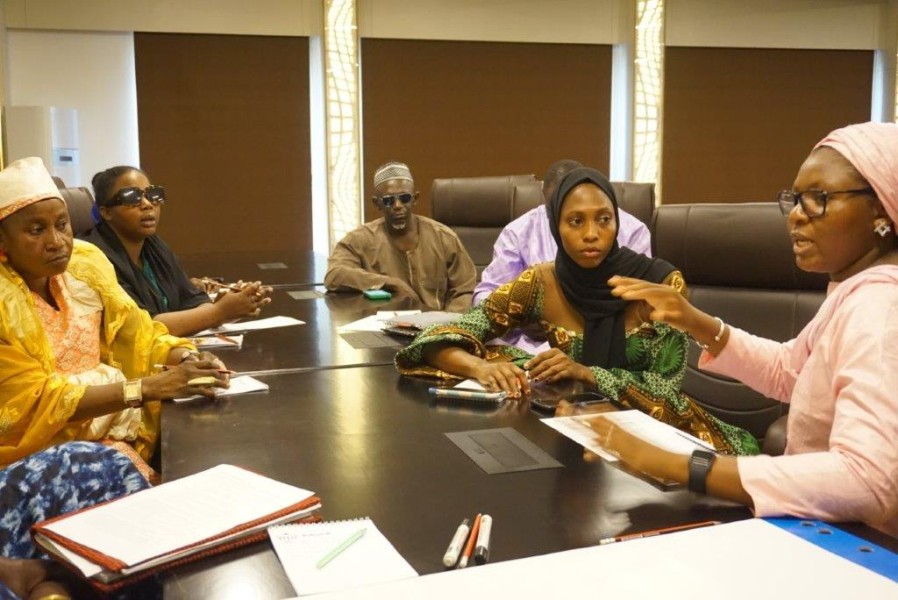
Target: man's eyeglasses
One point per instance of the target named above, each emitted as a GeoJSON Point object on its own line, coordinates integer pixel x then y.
{"type": "Point", "coordinates": [133, 196]}
{"type": "Point", "coordinates": [389, 200]}
{"type": "Point", "coordinates": [813, 202]}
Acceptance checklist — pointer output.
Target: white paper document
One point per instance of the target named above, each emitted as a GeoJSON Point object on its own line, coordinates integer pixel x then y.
{"type": "Point", "coordinates": [179, 513]}
{"type": "Point", "coordinates": [638, 423]}
{"type": "Point", "coordinates": [243, 384]}
{"type": "Point", "coordinates": [375, 322]}
{"type": "Point", "coordinates": [746, 560]}
{"type": "Point", "coordinates": [368, 560]}
{"type": "Point", "coordinates": [269, 323]}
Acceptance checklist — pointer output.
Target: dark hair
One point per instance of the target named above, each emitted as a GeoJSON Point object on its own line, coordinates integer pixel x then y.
{"type": "Point", "coordinates": [103, 181]}
{"type": "Point", "coordinates": [555, 174]}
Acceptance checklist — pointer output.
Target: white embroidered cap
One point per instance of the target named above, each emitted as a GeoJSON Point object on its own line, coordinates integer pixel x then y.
{"type": "Point", "coordinates": [392, 170]}
{"type": "Point", "coordinates": [25, 182]}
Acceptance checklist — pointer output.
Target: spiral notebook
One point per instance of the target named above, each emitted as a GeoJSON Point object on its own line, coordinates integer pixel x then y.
{"type": "Point", "coordinates": [370, 559]}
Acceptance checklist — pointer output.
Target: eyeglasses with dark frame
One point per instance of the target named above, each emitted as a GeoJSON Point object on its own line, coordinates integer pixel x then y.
{"type": "Point", "coordinates": [388, 201]}
{"type": "Point", "coordinates": [133, 196]}
{"type": "Point", "coordinates": [813, 202]}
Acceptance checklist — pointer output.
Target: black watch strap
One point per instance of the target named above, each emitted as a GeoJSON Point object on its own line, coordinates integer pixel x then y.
{"type": "Point", "coordinates": [699, 464]}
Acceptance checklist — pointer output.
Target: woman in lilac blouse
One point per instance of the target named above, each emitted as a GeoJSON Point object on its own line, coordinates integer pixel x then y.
{"type": "Point", "coordinates": [840, 375]}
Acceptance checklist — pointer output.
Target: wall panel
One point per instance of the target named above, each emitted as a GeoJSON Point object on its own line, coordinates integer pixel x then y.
{"type": "Point", "coordinates": [739, 122]}
{"type": "Point", "coordinates": [224, 125]}
{"type": "Point", "coordinates": [455, 109]}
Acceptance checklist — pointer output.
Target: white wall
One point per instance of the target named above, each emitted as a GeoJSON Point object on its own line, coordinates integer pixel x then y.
{"type": "Point", "coordinates": [92, 72]}
{"type": "Point", "coordinates": [257, 17]}
{"type": "Point", "coordinates": [558, 21]}
{"type": "Point", "coordinates": [832, 24]}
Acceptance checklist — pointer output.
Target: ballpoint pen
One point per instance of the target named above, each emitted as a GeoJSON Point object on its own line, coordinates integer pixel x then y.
{"type": "Point", "coordinates": [469, 547]}
{"type": "Point", "coordinates": [168, 367]}
{"type": "Point", "coordinates": [652, 532]}
{"type": "Point", "coordinates": [225, 338]}
{"type": "Point", "coordinates": [339, 549]}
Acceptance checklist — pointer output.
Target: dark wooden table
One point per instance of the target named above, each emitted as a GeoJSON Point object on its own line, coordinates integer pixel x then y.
{"type": "Point", "coordinates": [316, 344]}
{"type": "Point", "coordinates": [295, 268]}
{"type": "Point", "coordinates": [370, 442]}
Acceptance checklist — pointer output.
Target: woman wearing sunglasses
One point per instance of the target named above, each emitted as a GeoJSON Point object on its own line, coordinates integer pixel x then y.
{"type": "Point", "coordinates": [78, 358]}
{"type": "Point", "coordinates": [840, 375]}
{"type": "Point", "coordinates": [129, 207]}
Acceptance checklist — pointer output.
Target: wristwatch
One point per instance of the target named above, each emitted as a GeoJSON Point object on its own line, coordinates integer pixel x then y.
{"type": "Point", "coordinates": [699, 464]}
{"type": "Point", "coordinates": [133, 393]}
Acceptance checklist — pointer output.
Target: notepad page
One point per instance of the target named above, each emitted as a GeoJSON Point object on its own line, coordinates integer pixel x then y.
{"type": "Point", "coordinates": [157, 521]}
{"type": "Point", "coordinates": [371, 559]}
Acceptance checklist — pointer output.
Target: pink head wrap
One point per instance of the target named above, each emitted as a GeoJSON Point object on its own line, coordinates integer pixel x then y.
{"type": "Point", "coordinates": [873, 150]}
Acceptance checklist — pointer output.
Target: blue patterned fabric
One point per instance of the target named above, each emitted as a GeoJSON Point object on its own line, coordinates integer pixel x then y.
{"type": "Point", "coordinates": [56, 481]}
{"type": "Point", "coordinates": [6, 593]}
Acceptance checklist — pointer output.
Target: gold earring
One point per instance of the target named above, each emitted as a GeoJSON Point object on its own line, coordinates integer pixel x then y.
{"type": "Point", "coordinates": [883, 228]}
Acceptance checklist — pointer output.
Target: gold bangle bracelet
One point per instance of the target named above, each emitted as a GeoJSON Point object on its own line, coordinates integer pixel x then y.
{"type": "Point", "coordinates": [55, 597]}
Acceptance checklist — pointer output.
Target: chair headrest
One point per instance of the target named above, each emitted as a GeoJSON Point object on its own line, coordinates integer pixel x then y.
{"type": "Point", "coordinates": [475, 201]}
{"type": "Point", "coordinates": [81, 207]}
{"type": "Point", "coordinates": [733, 245]}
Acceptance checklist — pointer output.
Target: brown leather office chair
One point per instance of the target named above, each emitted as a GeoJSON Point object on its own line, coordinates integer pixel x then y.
{"type": "Point", "coordinates": [476, 208]}
{"type": "Point", "coordinates": [80, 203]}
{"type": "Point", "coordinates": [738, 263]}
{"type": "Point", "coordinates": [638, 199]}
{"type": "Point", "coordinates": [59, 182]}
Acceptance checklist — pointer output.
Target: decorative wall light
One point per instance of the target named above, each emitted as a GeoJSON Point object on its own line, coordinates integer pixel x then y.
{"type": "Point", "coordinates": [648, 92]}
{"type": "Point", "coordinates": [341, 63]}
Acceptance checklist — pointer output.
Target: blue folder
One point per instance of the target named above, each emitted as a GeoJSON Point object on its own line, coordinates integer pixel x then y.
{"type": "Point", "coordinates": [847, 545]}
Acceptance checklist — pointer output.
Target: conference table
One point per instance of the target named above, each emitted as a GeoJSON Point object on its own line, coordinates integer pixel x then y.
{"type": "Point", "coordinates": [372, 443]}
{"type": "Point", "coordinates": [276, 268]}
{"type": "Point", "coordinates": [340, 421]}
{"type": "Point", "coordinates": [316, 344]}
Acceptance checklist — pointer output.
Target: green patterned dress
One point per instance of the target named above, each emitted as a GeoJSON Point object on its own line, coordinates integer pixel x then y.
{"type": "Point", "coordinates": [656, 360]}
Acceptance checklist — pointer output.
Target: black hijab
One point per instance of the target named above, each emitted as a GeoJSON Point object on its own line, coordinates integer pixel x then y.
{"type": "Point", "coordinates": [604, 338]}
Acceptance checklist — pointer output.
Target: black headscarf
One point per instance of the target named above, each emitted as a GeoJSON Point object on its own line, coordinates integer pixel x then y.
{"type": "Point", "coordinates": [604, 337]}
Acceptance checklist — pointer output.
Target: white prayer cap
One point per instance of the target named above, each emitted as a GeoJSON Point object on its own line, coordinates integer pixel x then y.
{"type": "Point", "coordinates": [392, 170]}
{"type": "Point", "coordinates": [25, 182]}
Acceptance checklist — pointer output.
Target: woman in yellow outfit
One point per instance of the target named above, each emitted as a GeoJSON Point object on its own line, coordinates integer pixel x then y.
{"type": "Point", "coordinates": [77, 356]}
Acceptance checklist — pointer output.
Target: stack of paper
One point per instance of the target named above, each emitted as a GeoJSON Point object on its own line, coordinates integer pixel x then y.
{"type": "Point", "coordinates": [363, 555]}
{"type": "Point", "coordinates": [130, 538]}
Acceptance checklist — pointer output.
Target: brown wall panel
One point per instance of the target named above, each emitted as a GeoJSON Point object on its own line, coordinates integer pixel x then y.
{"type": "Point", "coordinates": [739, 122]}
{"type": "Point", "coordinates": [224, 126]}
{"type": "Point", "coordinates": [463, 109]}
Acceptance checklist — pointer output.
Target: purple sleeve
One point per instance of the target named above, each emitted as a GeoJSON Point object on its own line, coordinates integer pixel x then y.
{"type": "Point", "coordinates": [634, 234]}
{"type": "Point", "coordinates": [506, 265]}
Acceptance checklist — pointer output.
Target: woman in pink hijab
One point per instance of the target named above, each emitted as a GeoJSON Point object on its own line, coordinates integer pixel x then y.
{"type": "Point", "coordinates": [840, 375]}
